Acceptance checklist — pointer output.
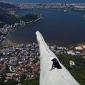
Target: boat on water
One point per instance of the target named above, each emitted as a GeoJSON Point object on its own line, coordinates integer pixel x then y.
{"type": "Point", "coordinates": [65, 10]}
{"type": "Point", "coordinates": [84, 16]}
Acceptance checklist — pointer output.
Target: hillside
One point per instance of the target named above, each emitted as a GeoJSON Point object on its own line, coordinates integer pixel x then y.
{"type": "Point", "coordinates": [7, 5]}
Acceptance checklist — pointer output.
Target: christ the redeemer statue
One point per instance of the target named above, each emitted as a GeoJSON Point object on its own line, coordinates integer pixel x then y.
{"type": "Point", "coordinates": [52, 72]}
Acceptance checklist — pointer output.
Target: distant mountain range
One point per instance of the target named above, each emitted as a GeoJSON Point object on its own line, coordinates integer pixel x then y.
{"type": "Point", "coordinates": [8, 15]}
{"type": "Point", "coordinates": [5, 9]}
{"type": "Point", "coordinates": [6, 5]}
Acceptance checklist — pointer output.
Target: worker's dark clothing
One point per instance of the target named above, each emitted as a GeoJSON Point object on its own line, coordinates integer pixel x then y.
{"type": "Point", "coordinates": [56, 64]}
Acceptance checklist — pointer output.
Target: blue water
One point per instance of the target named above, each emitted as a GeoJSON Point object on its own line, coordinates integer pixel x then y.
{"type": "Point", "coordinates": [41, 1]}
{"type": "Point", "coordinates": [56, 26]}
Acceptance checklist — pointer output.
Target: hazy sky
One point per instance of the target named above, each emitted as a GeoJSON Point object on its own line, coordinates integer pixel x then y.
{"type": "Point", "coordinates": [10, 1]}
{"type": "Point", "coordinates": [25, 1]}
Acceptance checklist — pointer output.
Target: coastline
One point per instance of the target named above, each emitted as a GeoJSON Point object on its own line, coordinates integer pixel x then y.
{"type": "Point", "coordinates": [6, 29]}
{"type": "Point", "coordinates": [73, 6]}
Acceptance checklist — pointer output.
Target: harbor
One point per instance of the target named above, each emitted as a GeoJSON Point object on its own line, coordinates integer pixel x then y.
{"type": "Point", "coordinates": [61, 27]}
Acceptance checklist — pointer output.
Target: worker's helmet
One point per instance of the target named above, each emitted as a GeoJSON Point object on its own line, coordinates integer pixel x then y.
{"type": "Point", "coordinates": [51, 58]}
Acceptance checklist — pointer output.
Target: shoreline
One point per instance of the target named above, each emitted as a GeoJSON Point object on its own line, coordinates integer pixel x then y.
{"type": "Point", "coordinates": [14, 43]}
{"type": "Point", "coordinates": [74, 6]}
{"type": "Point", "coordinates": [6, 29]}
